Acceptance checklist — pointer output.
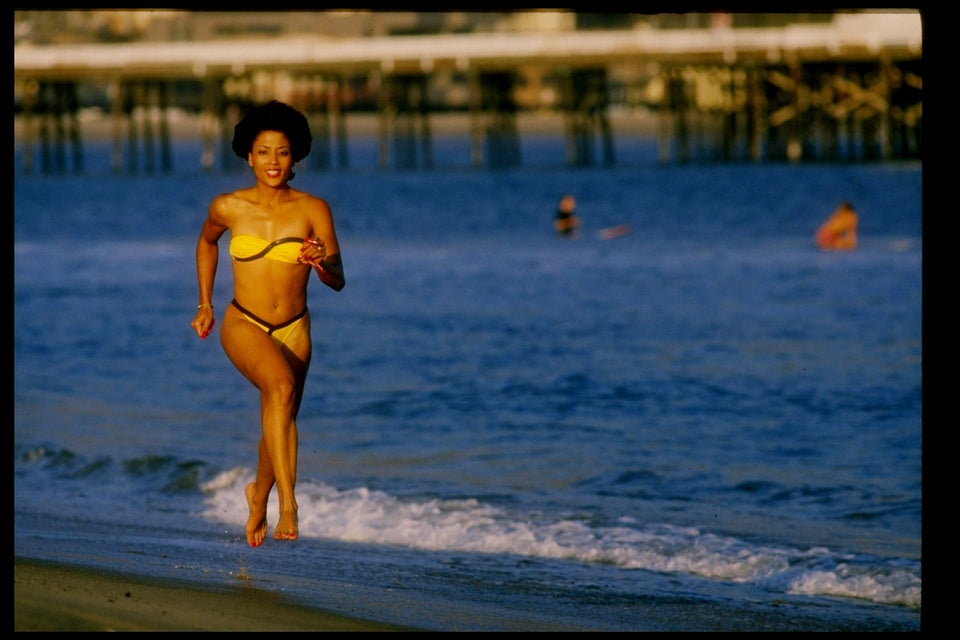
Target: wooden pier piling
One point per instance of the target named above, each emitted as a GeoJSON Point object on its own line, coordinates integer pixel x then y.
{"type": "Point", "coordinates": [50, 114]}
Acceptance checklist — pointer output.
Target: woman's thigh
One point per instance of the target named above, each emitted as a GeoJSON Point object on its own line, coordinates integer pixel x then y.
{"type": "Point", "coordinates": [253, 352]}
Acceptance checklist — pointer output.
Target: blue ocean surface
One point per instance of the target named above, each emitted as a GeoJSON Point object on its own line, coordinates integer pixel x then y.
{"type": "Point", "coordinates": [706, 417]}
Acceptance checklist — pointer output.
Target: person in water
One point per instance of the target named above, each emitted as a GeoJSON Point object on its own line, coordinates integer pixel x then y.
{"type": "Point", "coordinates": [839, 232]}
{"type": "Point", "coordinates": [566, 223]}
{"type": "Point", "coordinates": [278, 237]}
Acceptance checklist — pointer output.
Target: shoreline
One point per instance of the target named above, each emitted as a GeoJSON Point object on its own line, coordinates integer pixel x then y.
{"type": "Point", "coordinates": [98, 126]}
{"type": "Point", "coordinates": [50, 596]}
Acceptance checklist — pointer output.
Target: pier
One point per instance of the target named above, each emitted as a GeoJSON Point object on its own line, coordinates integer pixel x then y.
{"type": "Point", "coordinates": [849, 90]}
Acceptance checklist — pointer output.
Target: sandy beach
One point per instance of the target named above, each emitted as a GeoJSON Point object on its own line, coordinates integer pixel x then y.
{"type": "Point", "coordinates": [52, 597]}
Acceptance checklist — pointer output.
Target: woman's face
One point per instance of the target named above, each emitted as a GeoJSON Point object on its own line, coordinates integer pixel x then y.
{"type": "Point", "coordinates": [271, 158]}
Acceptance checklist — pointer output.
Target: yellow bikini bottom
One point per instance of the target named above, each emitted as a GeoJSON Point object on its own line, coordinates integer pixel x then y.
{"type": "Point", "coordinates": [284, 333]}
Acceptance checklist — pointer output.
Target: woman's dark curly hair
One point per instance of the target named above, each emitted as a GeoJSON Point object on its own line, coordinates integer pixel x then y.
{"type": "Point", "coordinates": [273, 116]}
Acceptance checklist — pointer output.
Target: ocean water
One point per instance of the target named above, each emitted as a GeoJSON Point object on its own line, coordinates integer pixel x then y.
{"type": "Point", "coordinates": [705, 424]}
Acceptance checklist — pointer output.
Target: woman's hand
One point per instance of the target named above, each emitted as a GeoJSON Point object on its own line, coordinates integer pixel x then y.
{"type": "Point", "coordinates": [203, 322]}
{"type": "Point", "coordinates": [328, 268]}
{"type": "Point", "coordinates": [312, 252]}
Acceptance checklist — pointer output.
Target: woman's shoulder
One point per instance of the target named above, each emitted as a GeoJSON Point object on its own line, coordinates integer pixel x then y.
{"type": "Point", "coordinates": [224, 197]}
{"type": "Point", "coordinates": [312, 202]}
{"type": "Point", "coordinates": [225, 207]}
{"type": "Point", "coordinates": [231, 199]}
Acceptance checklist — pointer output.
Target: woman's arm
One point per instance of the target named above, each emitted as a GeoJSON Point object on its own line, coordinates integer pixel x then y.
{"type": "Point", "coordinates": [330, 272]}
{"type": "Point", "coordinates": [207, 255]}
{"type": "Point", "coordinates": [325, 258]}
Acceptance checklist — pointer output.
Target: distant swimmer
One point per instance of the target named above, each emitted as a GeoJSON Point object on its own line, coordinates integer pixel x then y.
{"type": "Point", "coordinates": [567, 222]}
{"type": "Point", "coordinates": [839, 232]}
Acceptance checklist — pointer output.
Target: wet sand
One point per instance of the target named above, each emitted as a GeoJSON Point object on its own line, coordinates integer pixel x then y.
{"type": "Point", "coordinates": [53, 597]}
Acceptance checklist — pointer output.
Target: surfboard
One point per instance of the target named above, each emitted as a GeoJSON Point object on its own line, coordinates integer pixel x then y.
{"type": "Point", "coordinates": [610, 233]}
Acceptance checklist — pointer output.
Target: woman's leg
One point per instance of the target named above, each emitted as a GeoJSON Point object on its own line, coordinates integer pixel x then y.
{"type": "Point", "coordinates": [296, 349]}
{"type": "Point", "coordinates": [279, 375]}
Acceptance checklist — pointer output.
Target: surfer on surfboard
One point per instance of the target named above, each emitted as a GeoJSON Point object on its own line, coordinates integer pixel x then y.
{"type": "Point", "coordinates": [567, 223]}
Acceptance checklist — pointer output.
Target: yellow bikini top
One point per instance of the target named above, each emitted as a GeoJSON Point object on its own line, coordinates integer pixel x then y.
{"type": "Point", "coordinates": [247, 248]}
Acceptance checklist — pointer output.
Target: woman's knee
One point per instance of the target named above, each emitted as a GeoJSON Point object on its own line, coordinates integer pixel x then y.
{"type": "Point", "coordinates": [281, 390]}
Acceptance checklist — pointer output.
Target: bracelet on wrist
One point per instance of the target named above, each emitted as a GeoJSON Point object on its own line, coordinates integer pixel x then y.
{"type": "Point", "coordinates": [204, 304]}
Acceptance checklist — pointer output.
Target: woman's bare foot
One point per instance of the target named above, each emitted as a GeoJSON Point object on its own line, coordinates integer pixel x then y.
{"type": "Point", "coordinates": [257, 522]}
{"type": "Point", "coordinates": [286, 528]}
